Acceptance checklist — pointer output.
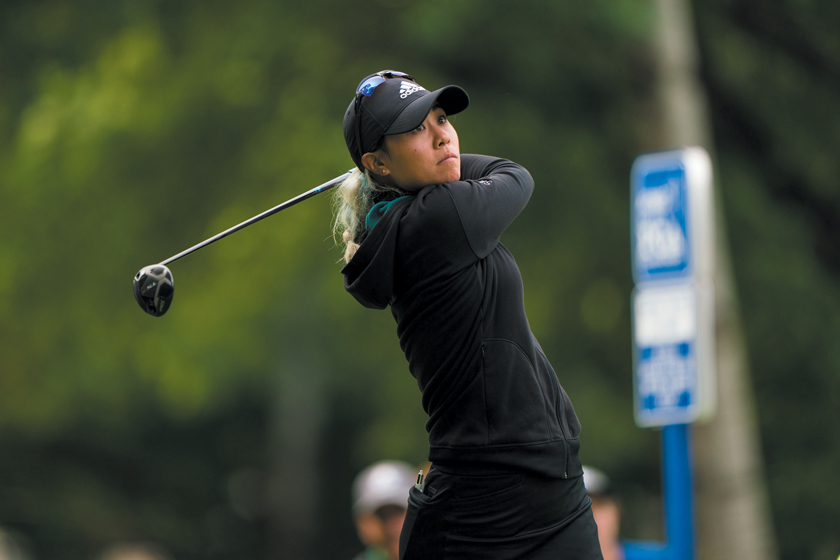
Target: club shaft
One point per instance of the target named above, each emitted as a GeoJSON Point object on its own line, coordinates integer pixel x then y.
{"type": "Point", "coordinates": [291, 202]}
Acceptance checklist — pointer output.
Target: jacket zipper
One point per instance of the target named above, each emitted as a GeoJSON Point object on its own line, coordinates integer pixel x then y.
{"type": "Point", "coordinates": [566, 467]}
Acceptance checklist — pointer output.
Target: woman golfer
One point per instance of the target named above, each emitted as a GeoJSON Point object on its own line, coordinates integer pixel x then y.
{"type": "Point", "coordinates": [421, 225]}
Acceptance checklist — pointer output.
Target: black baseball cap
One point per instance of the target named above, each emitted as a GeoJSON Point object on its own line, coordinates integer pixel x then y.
{"type": "Point", "coordinates": [391, 102]}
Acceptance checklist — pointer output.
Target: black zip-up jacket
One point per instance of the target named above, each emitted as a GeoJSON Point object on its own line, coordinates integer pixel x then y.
{"type": "Point", "coordinates": [493, 399]}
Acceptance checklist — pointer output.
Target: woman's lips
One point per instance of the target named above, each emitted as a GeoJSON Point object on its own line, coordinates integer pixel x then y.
{"type": "Point", "coordinates": [449, 157]}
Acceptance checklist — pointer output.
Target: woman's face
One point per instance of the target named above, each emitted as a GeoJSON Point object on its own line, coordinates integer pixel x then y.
{"type": "Point", "coordinates": [427, 155]}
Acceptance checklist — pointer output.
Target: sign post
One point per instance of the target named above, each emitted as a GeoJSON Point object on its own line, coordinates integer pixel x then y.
{"type": "Point", "coordinates": [672, 241]}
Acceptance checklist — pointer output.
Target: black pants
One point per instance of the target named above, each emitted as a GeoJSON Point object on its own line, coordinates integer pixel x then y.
{"type": "Point", "coordinates": [509, 516]}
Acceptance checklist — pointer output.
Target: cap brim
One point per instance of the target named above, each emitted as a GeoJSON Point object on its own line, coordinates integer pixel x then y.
{"type": "Point", "coordinates": [452, 99]}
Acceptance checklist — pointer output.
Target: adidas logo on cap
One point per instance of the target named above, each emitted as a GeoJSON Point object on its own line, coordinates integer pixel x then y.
{"type": "Point", "coordinates": [407, 88]}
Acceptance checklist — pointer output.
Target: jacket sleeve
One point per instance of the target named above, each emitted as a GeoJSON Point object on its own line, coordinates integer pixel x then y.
{"type": "Point", "coordinates": [489, 196]}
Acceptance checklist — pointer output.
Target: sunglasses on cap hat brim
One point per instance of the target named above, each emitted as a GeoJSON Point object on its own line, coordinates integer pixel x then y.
{"type": "Point", "coordinates": [365, 89]}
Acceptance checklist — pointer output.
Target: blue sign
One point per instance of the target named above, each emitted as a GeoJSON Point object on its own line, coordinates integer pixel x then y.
{"type": "Point", "coordinates": [672, 236]}
{"type": "Point", "coordinates": [660, 237]}
{"type": "Point", "coordinates": [665, 347]}
{"type": "Point", "coordinates": [667, 382]}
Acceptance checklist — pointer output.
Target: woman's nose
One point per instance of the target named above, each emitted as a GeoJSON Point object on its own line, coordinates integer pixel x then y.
{"type": "Point", "coordinates": [442, 136]}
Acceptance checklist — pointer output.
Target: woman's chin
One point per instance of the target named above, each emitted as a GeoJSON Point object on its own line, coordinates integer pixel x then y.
{"type": "Point", "coordinates": [453, 173]}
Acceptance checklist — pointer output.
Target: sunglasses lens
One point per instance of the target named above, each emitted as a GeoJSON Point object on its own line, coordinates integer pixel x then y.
{"type": "Point", "coordinates": [367, 86]}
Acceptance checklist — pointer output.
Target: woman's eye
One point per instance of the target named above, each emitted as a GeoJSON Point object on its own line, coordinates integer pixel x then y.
{"type": "Point", "coordinates": [442, 119]}
{"type": "Point", "coordinates": [420, 128]}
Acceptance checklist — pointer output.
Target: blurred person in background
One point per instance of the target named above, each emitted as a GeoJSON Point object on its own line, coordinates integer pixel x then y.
{"type": "Point", "coordinates": [606, 511]}
{"type": "Point", "coordinates": [134, 551]}
{"type": "Point", "coordinates": [421, 225]}
{"type": "Point", "coordinates": [380, 498]}
{"type": "Point", "coordinates": [11, 547]}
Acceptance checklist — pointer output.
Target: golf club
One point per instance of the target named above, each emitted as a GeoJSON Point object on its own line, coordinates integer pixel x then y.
{"type": "Point", "coordinates": [154, 286]}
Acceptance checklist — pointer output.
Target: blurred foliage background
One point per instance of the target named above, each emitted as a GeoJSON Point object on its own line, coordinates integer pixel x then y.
{"type": "Point", "coordinates": [233, 426]}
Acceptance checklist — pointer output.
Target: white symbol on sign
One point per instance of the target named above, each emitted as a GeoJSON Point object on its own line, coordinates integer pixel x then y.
{"type": "Point", "coordinates": [665, 315]}
{"type": "Point", "coordinates": [659, 243]}
{"type": "Point", "coordinates": [660, 240]}
{"type": "Point", "coordinates": [666, 375]}
{"type": "Point", "coordinates": [658, 201]}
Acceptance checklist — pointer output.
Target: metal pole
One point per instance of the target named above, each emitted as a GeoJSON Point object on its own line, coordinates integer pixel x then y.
{"type": "Point", "coordinates": [677, 482]}
{"type": "Point", "coordinates": [678, 501]}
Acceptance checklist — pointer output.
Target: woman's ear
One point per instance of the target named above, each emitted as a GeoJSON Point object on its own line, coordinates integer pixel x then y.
{"type": "Point", "coordinates": [375, 164]}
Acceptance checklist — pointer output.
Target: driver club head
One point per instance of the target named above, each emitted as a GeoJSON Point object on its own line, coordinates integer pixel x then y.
{"type": "Point", "coordinates": [154, 289]}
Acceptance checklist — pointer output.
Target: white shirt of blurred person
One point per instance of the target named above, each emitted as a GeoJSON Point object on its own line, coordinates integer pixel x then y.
{"type": "Point", "coordinates": [606, 512]}
{"type": "Point", "coordinates": [380, 499]}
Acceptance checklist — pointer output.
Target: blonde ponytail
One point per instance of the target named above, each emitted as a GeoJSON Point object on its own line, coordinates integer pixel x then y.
{"type": "Point", "coordinates": [352, 200]}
